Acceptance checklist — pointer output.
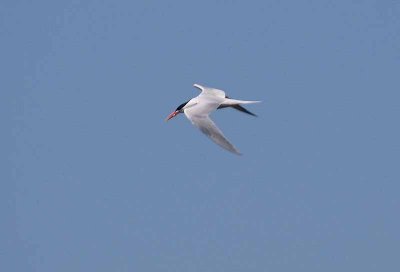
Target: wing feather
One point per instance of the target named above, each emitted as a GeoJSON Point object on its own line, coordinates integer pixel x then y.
{"type": "Point", "coordinates": [210, 91]}
{"type": "Point", "coordinates": [208, 127]}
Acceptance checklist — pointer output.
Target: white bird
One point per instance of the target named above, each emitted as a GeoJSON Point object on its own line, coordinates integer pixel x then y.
{"type": "Point", "coordinates": [198, 109]}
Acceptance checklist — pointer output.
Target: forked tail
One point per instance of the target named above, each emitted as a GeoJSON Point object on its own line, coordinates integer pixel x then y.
{"type": "Point", "coordinates": [236, 102]}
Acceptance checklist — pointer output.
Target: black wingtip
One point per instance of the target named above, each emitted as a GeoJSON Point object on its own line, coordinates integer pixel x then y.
{"type": "Point", "coordinates": [242, 109]}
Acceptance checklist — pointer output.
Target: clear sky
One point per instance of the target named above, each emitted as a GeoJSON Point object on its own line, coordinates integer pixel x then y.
{"type": "Point", "coordinates": [95, 180]}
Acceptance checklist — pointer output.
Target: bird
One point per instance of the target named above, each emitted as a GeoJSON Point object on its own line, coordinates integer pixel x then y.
{"type": "Point", "coordinates": [198, 109]}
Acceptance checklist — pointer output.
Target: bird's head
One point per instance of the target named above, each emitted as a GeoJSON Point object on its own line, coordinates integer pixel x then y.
{"type": "Point", "coordinates": [178, 110]}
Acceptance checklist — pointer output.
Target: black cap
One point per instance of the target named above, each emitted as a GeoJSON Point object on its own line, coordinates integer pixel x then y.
{"type": "Point", "coordinates": [181, 106]}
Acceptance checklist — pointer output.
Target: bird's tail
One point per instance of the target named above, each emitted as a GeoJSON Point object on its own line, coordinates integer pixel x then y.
{"type": "Point", "coordinates": [236, 102]}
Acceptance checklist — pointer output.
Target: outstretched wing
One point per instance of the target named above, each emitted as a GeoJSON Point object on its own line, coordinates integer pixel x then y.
{"type": "Point", "coordinates": [210, 91]}
{"type": "Point", "coordinates": [208, 127]}
{"type": "Point", "coordinates": [237, 107]}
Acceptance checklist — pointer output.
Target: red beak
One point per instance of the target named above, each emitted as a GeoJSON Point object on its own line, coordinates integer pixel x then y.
{"type": "Point", "coordinates": [173, 114]}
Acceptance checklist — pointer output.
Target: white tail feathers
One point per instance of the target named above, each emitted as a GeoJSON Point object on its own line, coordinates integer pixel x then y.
{"type": "Point", "coordinates": [229, 101]}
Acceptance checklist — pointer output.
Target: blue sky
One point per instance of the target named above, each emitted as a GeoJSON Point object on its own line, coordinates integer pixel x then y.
{"type": "Point", "coordinates": [95, 180]}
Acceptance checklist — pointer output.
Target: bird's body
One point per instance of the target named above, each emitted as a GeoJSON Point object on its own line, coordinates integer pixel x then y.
{"type": "Point", "coordinates": [198, 109]}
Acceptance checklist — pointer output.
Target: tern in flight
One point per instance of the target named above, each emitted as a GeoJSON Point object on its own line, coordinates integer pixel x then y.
{"type": "Point", "coordinates": [198, 109]}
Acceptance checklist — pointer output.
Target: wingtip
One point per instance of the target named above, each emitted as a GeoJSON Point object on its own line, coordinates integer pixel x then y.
{"type": "Point", "coordinates": [236, 152]}
{"type": "Point", "coordinates": [198, 86]}
{"type": "Point", "coordinates": [254, 115]}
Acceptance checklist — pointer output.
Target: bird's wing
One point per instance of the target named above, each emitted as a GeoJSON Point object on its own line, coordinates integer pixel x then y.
{"type": "Point", "coordinates": [208, 127]}
{"type": "Point", "coordinates": [237, 107]}
{"type": "Point", "coordinates": [210, 91]}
